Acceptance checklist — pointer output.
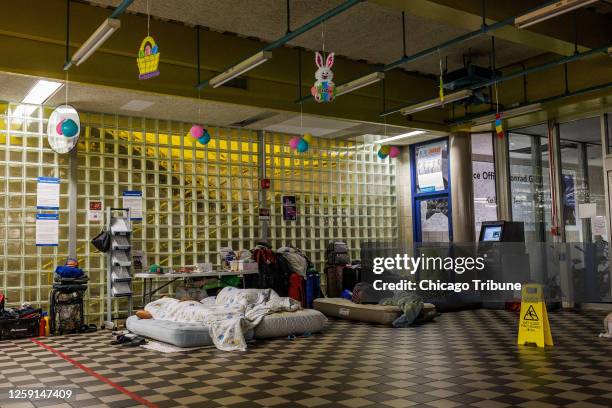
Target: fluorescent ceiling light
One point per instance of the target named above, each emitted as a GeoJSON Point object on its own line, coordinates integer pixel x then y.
{"type": "Point", "coordinates": [550, 11]}
{"type": "Point", "coordinates": [240, 68]}
{"type": "Point", "coordinates": [521, 110]}
{"type": "Point", "coordinates": [41, 91]}
{"type": "Point", "coordinates": [433, 103]}
{"type": "Point", "coordinates": [402, 136]}
{"type": "Point", "coordinates": [39, 94]}
{"type": "Point", "coordinates": [359, 83]}
{"type": "Point", "coordinates": [106, 29]}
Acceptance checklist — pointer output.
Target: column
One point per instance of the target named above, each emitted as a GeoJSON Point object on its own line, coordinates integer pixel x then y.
{"type": "Point", "coordinates": [462, 187]}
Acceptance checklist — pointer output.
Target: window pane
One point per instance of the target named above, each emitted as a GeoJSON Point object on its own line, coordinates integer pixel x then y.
{"type": "Point", "coordinates": [485, 198]}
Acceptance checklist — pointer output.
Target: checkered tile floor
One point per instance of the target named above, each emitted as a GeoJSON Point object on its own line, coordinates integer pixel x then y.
{"type": "Point", "coordinates": [466, 358]}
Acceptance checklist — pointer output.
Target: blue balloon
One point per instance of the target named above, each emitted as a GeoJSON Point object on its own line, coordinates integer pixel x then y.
{"type": "Point", "coordinates": [205, 138]}
{"type": "Point", "coordinates": [69, 128]}
{"type": "Point", "coordinates": [382, 155]}
{"type": "Point", "coordinates": [302, 146]}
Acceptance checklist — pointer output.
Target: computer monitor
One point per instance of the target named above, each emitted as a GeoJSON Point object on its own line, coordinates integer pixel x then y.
{"type": "Point", "coordinates": [502, 231]}
{"type": "Point", "coordinates": [492, 233]}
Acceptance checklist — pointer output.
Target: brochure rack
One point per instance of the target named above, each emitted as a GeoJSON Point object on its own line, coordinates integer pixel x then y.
{"type": "Point", "coordinates": [119, 260]}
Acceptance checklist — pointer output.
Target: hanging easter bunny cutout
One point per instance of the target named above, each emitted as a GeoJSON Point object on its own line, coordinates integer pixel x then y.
{"type": "Point", "coordinates": [324, 89]}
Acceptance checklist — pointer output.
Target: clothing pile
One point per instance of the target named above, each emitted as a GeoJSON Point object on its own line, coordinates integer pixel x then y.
{"type": "Point", "coordinates": [232, 313]}
{"type": "Point", "coordinates": [287, 271]}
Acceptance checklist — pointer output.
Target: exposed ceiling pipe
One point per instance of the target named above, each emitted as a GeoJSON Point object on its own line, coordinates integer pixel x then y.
{"type": "Point", "coordinates": [484, 29]}
{"type": "Point", "coordinates": [295, 33]}
{"type": "Point", "coordinates": [484, 117]}
{"type": "Point", "coordinates": [102, 33]}
{"type": "Point", "coordinates": [522, 72]}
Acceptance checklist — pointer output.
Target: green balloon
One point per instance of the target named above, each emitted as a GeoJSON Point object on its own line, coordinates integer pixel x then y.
{"type": "Point", "coordinates": [69, 128]}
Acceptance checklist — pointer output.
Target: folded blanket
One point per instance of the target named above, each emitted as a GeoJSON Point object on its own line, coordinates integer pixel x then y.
{"type": "Point", "coordinates": [234, 312]}
{"type": "Point", "coordinates": [409, 303]}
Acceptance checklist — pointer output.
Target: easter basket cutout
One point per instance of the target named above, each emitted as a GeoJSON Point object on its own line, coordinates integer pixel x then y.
{"type": "Point", "coordinates": [148, 58]}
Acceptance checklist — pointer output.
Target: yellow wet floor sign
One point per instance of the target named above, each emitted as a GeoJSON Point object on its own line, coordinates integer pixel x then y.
{"type": "Point", "coordinates": [533, 321]}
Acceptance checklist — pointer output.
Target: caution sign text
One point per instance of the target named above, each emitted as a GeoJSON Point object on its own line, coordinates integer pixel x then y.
{"type": "Point", "coordinates": [533, 322]}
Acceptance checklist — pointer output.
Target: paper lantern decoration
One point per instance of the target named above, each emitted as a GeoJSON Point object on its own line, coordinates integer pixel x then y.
{"type": "Point", "coordinates": [300, 143]}
{"type": "Point", "coordinates": [498, 126]}
{"type": "Point", "coordinates": [394, 151]}
{"type": "Point", "coordinates": [148, 59]}
{"type": "Point", "coordinates": [324, 89]}
{"type": "Point", "coordinates": [196, 131]}
{"type": "Point", "coordinates": [63, 129]}
{"type": "Point", "coordinates": [302, 146]}
{"type": "Point", "coordinates": [294, 141]}
{"type": "Point", "coordinates": [205, 138]}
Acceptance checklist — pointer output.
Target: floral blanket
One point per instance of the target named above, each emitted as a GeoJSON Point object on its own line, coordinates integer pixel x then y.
{"type": "Point", "coordinates": [232, 313]}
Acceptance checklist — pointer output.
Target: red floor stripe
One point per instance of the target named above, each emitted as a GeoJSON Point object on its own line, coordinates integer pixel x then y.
{"type": "Point", "coordinates": [100, 377]}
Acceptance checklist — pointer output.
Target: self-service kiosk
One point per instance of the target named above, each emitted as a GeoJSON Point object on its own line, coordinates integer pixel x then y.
{"type": "Point", "coordinates": [502, 245]}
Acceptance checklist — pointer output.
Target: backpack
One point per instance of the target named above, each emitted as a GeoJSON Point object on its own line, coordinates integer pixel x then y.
{"type": "Point", "coordinates": [337, 253]}
{"type": "Point", "coordinates": [313, 288]}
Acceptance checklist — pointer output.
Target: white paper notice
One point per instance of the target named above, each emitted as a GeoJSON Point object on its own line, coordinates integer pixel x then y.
{"type": "Point", "coordinates": [598, 225]}
{"type": "Point", "coordinates": [47, 229]}
{"type": "Point", "coordinates": [587, 210]}
{"type": "Point", "coordinates": [47, 193]}
{"type": "Point", "coordinates": [133, 201]}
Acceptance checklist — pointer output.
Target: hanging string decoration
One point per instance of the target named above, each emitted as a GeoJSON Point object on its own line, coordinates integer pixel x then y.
{"type": "Point", "coordinates": [148, 54]}
{"type": "Point", "coordinates": [148, 59]}
{"type": "Point", "coordinates": [499, 129]}
{"type": "Point", "coordinates": [300, 143]}
{"type": "Point", "coordinates": [324, 89]}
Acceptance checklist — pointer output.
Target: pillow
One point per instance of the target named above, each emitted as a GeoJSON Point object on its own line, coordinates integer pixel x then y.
{"type": "Point", "coordinates": [143, 314]}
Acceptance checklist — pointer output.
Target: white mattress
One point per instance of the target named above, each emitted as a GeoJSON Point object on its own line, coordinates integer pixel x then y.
{"type": "Point", "coordinates": [283, 324]}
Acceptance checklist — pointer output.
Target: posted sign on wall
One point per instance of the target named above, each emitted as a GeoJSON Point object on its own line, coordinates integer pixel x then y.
{"type": "Point", "coordinates": [133, 201]}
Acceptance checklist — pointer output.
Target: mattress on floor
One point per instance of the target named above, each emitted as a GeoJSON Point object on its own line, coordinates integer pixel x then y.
{"type": "Point", "coordinates": [194, 335]}
{"type": "Point", "coordinates": [345, 309]}
{"type": "Point", "coordinates": [369, 313]}
{"type": "Point", "coordinates": [179, 334]}
{"type": "Point", "coordinates": [283, 324]}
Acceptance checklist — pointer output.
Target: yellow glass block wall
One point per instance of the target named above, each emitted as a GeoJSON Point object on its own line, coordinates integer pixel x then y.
{"type": "Point", "coordinates": [196, 198]}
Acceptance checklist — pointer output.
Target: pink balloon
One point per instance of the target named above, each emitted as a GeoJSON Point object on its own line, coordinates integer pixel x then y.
{"type": "Point", "coordinates": [58, 127]}
{"type": "Point", "coordinates": [294, 141]}
{"type": "Point", "coordinates": [196, 131]}
{"type": "Point", "coordinates": [394, 151]}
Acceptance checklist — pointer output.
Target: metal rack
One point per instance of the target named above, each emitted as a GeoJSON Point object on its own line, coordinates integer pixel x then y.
{"type": "Point", "coordinates": [119, 260]}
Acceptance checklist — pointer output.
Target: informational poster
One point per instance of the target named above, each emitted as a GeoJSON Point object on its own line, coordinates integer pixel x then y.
{"type": "Point", "coordinates": [47, 229]}
{"type": "Point", "coordinates": [47, 193]}
{"type": "Point", "coordinates": [264, 214]}
{"type": "Point", "coordinates": [289, 208]}
{"type": "Point", "coordinates": [95, 210]}
{"type": "Point", "coordinates": [133, 201]}
{"type": "Point", "coordinates": [429, 162]}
